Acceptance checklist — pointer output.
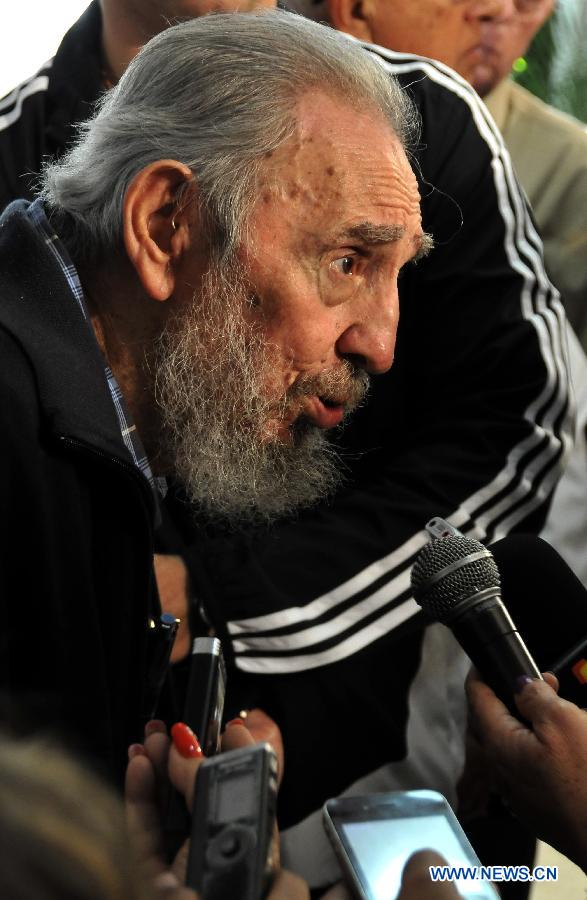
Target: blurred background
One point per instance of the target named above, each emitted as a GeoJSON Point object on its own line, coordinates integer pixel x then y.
{"type": "Point", "coordinates": [30, 34]}
{"type": "Point", "coordinates": [555, 67]}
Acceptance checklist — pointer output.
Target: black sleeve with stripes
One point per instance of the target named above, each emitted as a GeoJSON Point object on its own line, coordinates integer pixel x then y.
{"type": "Point", "coordinates": [472, 422]}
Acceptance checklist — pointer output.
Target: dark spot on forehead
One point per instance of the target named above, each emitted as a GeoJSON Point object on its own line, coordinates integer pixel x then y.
{"type": "Point", "coordinates": [268, 153]}
{"type": "Point", "coordinates": [330, 170]}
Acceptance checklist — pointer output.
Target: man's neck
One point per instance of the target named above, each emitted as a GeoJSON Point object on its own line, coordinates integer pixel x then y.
{"type": "Point", "coordinates": [125, 29]}
{"type": "Point", "coordinates": [119, 314]}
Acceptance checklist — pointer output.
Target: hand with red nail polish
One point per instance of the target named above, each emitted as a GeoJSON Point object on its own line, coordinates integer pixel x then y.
{"type": "Point", "coordinates": [185, 758]}
{"type": "Point", "coordinates": [237, 721]}
{"type": "Point", "coordinates": [185, 741]}
{"type": "Point", "coordinates": [161, 760]}
{"type": "Point", "coordinates": [136, 750]}
{"type": "Point", "coordinates": [260, 727]}
{"type": "Point", "coordinates": [146, 789]}
{"type": "Point", "coordinates": [155, 726]}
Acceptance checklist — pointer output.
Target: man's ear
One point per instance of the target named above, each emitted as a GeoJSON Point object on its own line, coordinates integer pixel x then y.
{"type": "Point", "coordinates": [353, 17]}
{"type": "Point", "coordinates": [156, 226]}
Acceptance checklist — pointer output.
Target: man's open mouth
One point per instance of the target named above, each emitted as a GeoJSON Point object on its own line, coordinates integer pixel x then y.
{"type": "Point", "coordinates": [325, 412]}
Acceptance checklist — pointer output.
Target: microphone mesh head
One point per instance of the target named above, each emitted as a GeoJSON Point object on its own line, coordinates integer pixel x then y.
{"type": "Point", "coordinates": [469, 576]}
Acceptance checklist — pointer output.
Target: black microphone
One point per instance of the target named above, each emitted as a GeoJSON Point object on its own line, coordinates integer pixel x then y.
{"type": "Point", "coordinates": [456, 581]}
{"type": "Point", "coordinates": [549, 605]}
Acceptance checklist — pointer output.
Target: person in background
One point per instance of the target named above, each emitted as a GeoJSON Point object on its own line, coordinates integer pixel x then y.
{"type": "Point", "coordinates": [440, 29]}
{"type": "Point", "coordinates": [38, 118]}
{"type": "Point", "coordinates": [548, 149]}
{"type": "Point", "coordinates": [65, 834]}
{"type": "Point", "coordinates": [549, 152]}
{"type": "Point", "coordinates": [62, 830]}
{"type": "Point", "coordinates": [481, 40]}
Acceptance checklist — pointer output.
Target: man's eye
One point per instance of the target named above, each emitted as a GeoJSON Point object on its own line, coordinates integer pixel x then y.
{"type": "Point", "coordinates": [344, 265]}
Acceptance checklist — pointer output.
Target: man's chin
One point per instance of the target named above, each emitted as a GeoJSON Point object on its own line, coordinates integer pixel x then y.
{"type": "Point", "coordinates": [237, 489]}
{"type": "Point", "coordinates": [291, 434]}
{"type": "Point", "coordinates": [303, 430]}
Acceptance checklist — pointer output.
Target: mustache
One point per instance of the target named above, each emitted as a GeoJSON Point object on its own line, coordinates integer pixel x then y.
{"type": "Point", "coordinates": [346, 385]}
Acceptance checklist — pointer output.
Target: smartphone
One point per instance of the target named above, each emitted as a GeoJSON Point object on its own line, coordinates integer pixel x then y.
{"type": "Point", "coordinates": [373, 837]}
{"type": "Point", "coordinates": [231, 848]}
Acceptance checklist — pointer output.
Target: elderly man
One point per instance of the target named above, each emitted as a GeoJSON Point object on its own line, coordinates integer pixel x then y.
{"type": "Point", "coordinates": [548, 148]}
{"type": "Point", "coordinates": [200, 292]}
{"type": "Point", "coordinates": [471, 423]}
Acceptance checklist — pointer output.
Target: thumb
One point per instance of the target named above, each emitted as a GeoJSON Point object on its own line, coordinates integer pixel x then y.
{"type": "Point", "coordinates": [537, 701]}
{"type": "Point", "coordinates": [417, 882]}
{"type": "Point", "coordinates": [236, 735]}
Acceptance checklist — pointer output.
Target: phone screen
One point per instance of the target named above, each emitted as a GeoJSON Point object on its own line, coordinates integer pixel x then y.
{"type": "Point", "coordinates": [381, 848]}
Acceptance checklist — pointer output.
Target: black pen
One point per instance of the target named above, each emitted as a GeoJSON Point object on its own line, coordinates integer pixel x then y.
{"type": "Point", "coordinates": [162, 634]}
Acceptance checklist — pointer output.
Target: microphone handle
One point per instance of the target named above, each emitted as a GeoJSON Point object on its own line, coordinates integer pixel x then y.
{"type": "Point", "coordinates": [487, 634]}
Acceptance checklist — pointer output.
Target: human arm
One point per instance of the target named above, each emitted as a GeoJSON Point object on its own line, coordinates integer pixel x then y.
{"type": "Point", "coordinates": [539, 765]}
{"type": "Point", "coordinates": [160, 761]}
{"type": "Point", "coordinates": [174, 594]}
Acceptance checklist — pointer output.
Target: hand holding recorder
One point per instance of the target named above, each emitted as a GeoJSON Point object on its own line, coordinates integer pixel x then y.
{"type": "Point", "coordinates": [158, 763]}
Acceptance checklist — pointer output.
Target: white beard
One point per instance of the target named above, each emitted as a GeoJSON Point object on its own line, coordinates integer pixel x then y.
{"type": "Point", "coordinates": [211, 368]}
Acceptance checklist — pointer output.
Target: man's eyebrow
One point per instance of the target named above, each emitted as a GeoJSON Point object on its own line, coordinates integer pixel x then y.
{"type": "Point", "coordinates": [370, 233]}
{"type": "Point", "coordinates": [424, 243]}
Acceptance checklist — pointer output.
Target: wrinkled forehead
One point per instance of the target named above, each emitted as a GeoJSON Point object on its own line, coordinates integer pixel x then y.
{"type": "Point", "coordinates": [338, 147]}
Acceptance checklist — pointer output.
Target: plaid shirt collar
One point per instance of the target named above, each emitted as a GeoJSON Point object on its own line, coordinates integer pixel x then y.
{"type": "Point", "coordinates": [128, 431]}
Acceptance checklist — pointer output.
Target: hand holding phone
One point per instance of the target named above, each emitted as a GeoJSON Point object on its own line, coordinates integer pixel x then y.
{"type": "Point", "coordinates": [373, 837]}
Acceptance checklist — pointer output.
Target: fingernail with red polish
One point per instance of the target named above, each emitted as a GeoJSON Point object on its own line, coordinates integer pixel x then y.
{"type": "Point", "coordinates": [237, 721]}
{"type": "Point", "coordinates": [136, 750]}
{"type": "Point", "coordinates": [155, 725]}
{"type": "Point", "coordinates": [186, 742]}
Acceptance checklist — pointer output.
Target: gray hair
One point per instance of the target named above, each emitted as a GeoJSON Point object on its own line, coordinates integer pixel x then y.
{"type": "Point", "coordinates": [215, 93]}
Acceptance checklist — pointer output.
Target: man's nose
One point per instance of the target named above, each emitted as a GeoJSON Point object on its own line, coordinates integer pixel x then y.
{"type": "Point", "coordinates": [369, 342]}
{"type": "Point", "coordinates": [492, 10]}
